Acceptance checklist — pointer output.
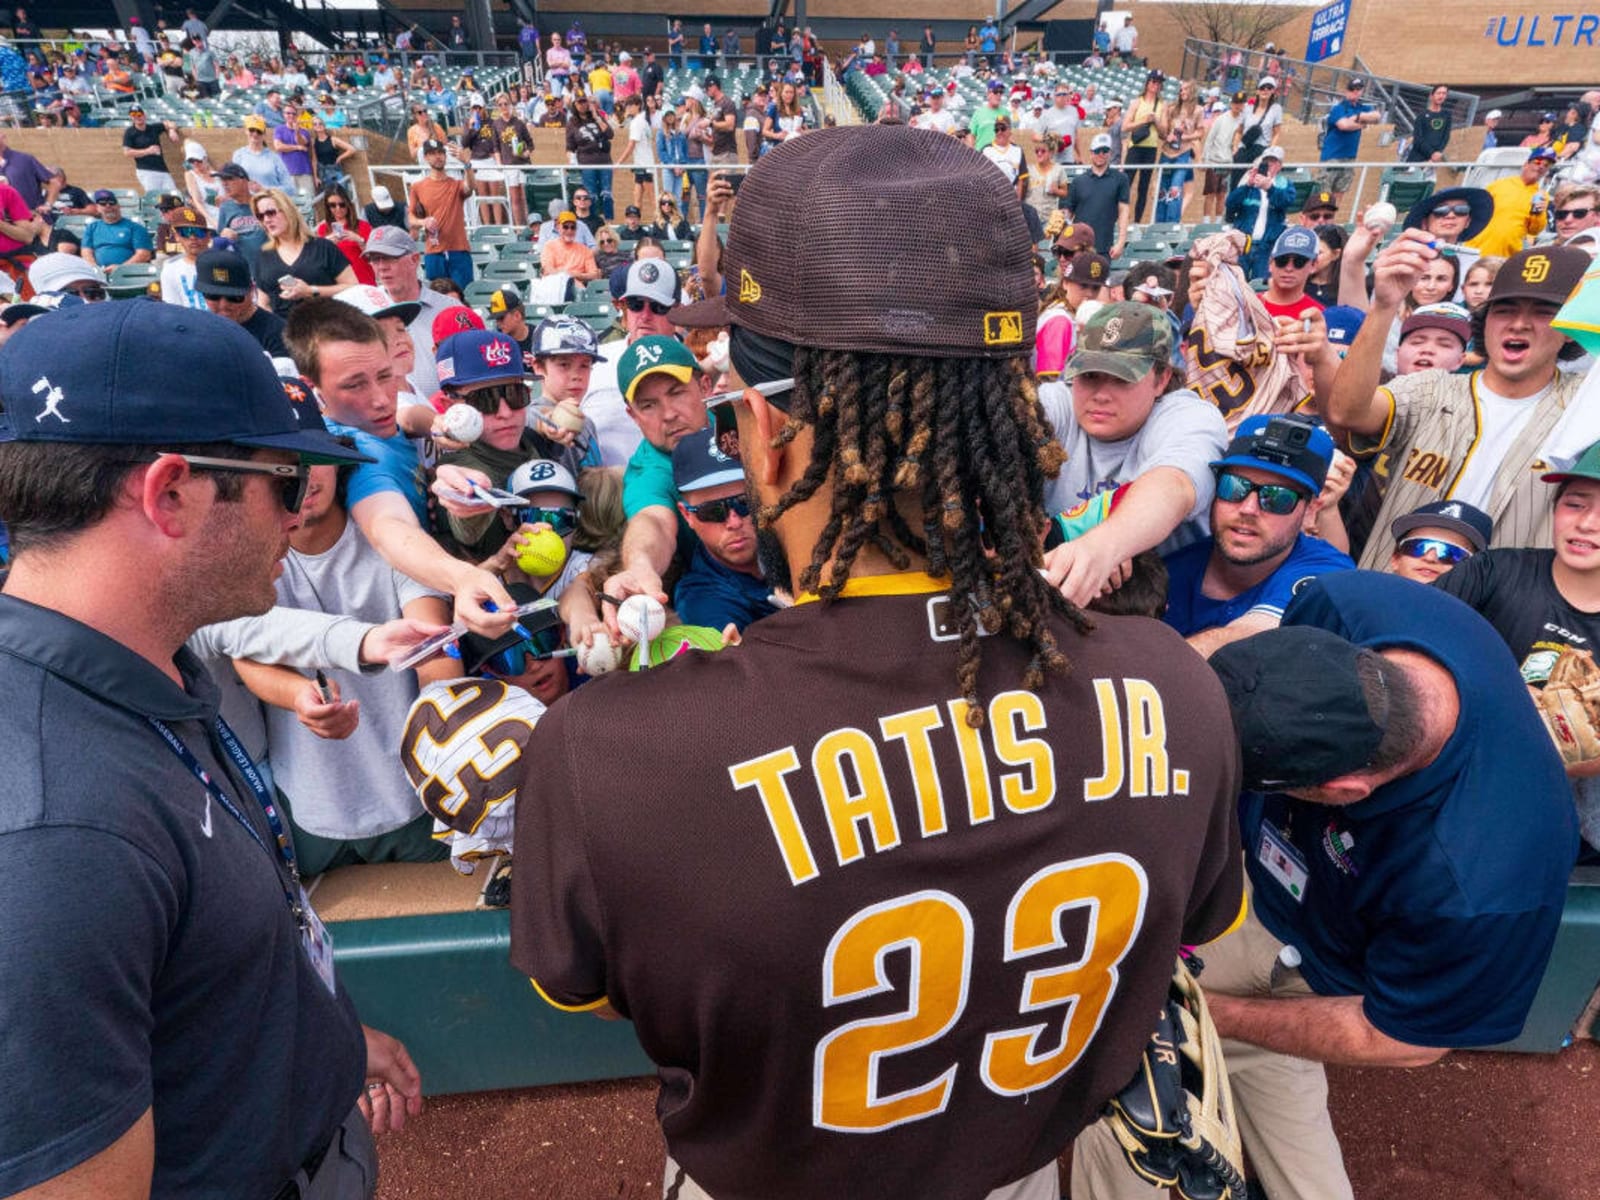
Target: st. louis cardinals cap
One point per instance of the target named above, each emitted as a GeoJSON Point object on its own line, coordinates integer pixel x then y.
{"type": "Point", "coordinates": [479, 356]}
{"type": "Point", "coordinates": [881, 239]}
{"type": "Point", "coordinates": [1298, 707]}
{"type": "Point", "coordinates": [142, 374]}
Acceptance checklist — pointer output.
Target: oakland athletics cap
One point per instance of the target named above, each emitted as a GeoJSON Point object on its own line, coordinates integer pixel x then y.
{"type": "Point", "coordinates": [149, 375]}
{"type": "Point", "coordinates": [1544, 273]}
{"type": "Point", "coordinates": [1123, 340]}
{"type": "Point", "coordinates": [942, 267]}
{"type": "Point", "coordinates": [1587, 467]}
{"type": "Point", "coordinates": [654, 355]}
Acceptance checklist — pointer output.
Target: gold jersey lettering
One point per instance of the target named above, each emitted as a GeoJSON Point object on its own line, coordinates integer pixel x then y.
{"type": "Point", "coordinates": [974, 764]}
{"type": "Point", "coordinates": [1034, 788]}
{"type": "Point", "coordinates": [1109, 782]}
{"type": "Point", "coordinates": [915, 728]}
{"type": "Point", "coordinates": [766, 775]}
{"type": "Point", "coordinates": [1147, 739]}
{"type": "Point", "coordinates": [861, 794]}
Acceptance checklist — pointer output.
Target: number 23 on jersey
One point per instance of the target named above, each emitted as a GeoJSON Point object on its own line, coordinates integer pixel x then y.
{"type": "Point", "coordinates": [937, 930]}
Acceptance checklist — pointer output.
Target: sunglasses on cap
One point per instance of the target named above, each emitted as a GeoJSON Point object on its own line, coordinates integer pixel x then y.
{"type": "Point", "coordinates": [561, 520]}
{"type": "Point", "coordinates": [292, 478]}
{"type": "Point", "coordinates": [637, 304]}
{"type": "Point", "coordinates": [1572, 214]}
{"type": "Point", "coordinates": [1276, 499]}
{"type": "Point", "coordinates": [1443, 551]}
{"type": "Point", "coordinates": [1295, 261]}
{"type": "Point", "coordinates": [717, 512]}
{"type": "Point", "coordinates": [1452, 210]}
{"type": "Point", "coordinates": [488, 400]}
{"type": "Point", "coordinates": [513, 659]}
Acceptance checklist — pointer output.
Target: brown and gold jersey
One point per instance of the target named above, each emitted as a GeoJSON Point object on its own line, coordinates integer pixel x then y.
{"type": "Point", "coordinates": [873, 950]}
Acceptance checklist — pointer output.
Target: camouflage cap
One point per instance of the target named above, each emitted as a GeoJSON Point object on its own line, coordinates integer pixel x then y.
{"type": "Point", "coordinates": [1123, 340]}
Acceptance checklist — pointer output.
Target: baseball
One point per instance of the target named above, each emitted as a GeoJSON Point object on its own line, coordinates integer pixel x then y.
{"type": "Point", "coordinates": [641, 618]}
{"type": "Point", "coordinates": [1381, 217]}
{"type": "Point", "coordinates": [541, 552]}
{"type": "Point", "coordinates": [599, 657]}
{"type": "Point", "coordinates": [463, 423]}
{"type": "Point", "coordinates": [566, 415]}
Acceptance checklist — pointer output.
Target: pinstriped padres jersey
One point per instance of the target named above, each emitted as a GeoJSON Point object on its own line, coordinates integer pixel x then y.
{"type": "Point", "coordinates": [1433, 426]}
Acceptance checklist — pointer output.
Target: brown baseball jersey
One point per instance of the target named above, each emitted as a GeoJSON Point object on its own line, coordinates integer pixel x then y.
{"type": "Point", "coordinates": [1431, 433]}
{"type": "Point", "coordinates": [876, 952]}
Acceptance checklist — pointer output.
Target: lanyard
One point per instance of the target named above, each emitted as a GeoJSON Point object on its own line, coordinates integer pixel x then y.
{"type": "Point", "coordinates": [252, 777]}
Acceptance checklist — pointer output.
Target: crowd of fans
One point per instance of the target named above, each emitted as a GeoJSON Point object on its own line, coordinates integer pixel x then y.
{"type": "Point", "coordinates": [1392, 394]}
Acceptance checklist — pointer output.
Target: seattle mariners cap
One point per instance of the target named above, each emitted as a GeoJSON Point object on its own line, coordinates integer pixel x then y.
{"type": "Point", "coordinates": [223, 274]}
{"type": "Point", "coordinates": [479, 356]}
{"type": "Point", "coordinates": [652, 279]}
{"type": "Point", "coordinates": [654, 355]}
{"type": "Point", "coordinates": [1471, 523]}
{"type": "Point", "coordinates": [565, 335]}
{"type": "Point", "coordinates": [698, 462]}
{"type": "Point", "coordinates": [543, 475]}
{"type": "Point", "coordinates": [1123, 340]}
{"type": "Point", "coordinates": [1298, 240]}
{"type": "Point", "coordinates": [149, 375]}
{"type": "Point", "coordinates": [1275, 682]}
{"type": "Point", "coordinates": [1286, 445]}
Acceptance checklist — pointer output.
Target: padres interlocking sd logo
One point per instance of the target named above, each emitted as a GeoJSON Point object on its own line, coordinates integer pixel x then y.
{"type": "Point", "coordinates": [1536, 269]}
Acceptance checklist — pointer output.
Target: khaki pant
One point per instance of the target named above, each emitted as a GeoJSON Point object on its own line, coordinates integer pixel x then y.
{"type": "Point", "coordinates": [1040, 1185]}
{"type": "Point", "coordinates": [1281, 1101]}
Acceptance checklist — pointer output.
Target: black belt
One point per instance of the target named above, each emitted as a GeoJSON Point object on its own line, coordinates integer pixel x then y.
{"type": "Point", "coordinates": [291, 1190]}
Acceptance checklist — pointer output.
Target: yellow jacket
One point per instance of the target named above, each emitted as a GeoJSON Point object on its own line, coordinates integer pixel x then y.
{"type": "Point", "coordinates": [1514, 219]}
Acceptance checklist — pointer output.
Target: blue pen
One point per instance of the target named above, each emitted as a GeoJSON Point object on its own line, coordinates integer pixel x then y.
{"type": "Point", "coordinates": [522, 630]}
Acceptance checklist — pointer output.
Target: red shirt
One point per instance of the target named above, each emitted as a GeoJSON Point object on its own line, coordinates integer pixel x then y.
{"type": "Point", "coordinates": [1296, 309]}
{"type": "Point", "coordinates": [12, 208]}
{"type": "Point", "coordinates": [352, 250]}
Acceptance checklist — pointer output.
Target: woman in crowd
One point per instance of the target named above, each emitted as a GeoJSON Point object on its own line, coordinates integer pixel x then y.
{"type": "Point", "coordinates": [421, 129]}
{"type": "Point", "coordinates": [672, 152]}
{"type": "Point", "coordinates": [237, 75]}
{"type": "Point", "coordinates": [295, 265]}
{"type": "Point", "coordinates": [1439, 282]}
{"type": "Point", "coordinates": [328, 157]}
{"type": "Point", "coordinates": [1047, 179]}
{"type": "Point", "coordinates": [200, 181]}
{"type": "Point", "coordinates": [1185, 128]}
{"type": "Point", "coordinates": [342, 225]}
{"type": "Point", "coordinates": [1544, 134]}
{"type": "Point", "coordinates": [785, 118]}
{"type": "Point", "coordinates": [970, 46]}
{"type": "Point", "coordinates": [1323, 286]}
{"type": "Point", "coordinates": [608, 252]}
{"type": "Point", "coordinates": [1147, 122]}
{"type": "Point", "coordinates": [697, 130]}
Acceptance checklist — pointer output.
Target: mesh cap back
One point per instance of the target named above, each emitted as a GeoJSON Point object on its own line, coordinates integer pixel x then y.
{"type": "Point", "coordinates": [881, 239]}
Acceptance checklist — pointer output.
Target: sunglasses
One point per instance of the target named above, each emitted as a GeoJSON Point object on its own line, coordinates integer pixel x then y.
{"type": "Point", "coordinates": [1443, 551]}
{"type": "Point", "coordinates": [1322, 215]}
{"type": "Point", "coordinates": [89, 292]}
{"type": "Point", "coordinates": [1276, 499]}
{"type": "Point", "coordinates": [717, 512]}
{"type": "Point", "coordinates": [292, 478]}
{"type": "Point", "coordinates": [637, 304]}
{"type": "Point", "coordinates": [1296, 261]}
{"type": "Point", "coordinates": [1102, 150]}
{"type": "Point", "coordinates": [514, 396]}
{"type": "Point", "coordinates": [1064, 251]}
{"type": "Point", "coordinates": [561, 520]}
{"type": "Point", "coordinates": [1452, 210]}
{"type": "Point", "coordinates": [264, 213]}
{"type": "Point", "coordinates": [542, 645]}
{"type": "Point", "coordinates": [1572, 214]}
{"type": "Point", "coordinates": [192, 231]}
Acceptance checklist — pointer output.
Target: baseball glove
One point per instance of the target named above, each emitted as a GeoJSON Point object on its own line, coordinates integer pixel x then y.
{"type": "Point", "coordinates": [1570, 706]}
{"type": "Point", "coordinates": [1175, 1119]}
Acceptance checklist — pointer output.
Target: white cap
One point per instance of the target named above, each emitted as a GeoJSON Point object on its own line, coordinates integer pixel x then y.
{"type": "Point", "coordinates": [193, 151]}
{"type": "Point", "coordinates": [1102, 141]}
{"type": "Point", "coordinates": [543, 475]}
{"type": "Point", "coordinates": [1273, 152]}
{"type": "Point", "coordinates": [653, 279]}
{"type": "Point", "coordinates": [54, 271]}
{"type": "Point", "coordinates": [382, 198]}
{"type": "Point", "coordinates": [1494, 114]}
{"type": "Point", "coordinates": [376, 302]}
{"type": "Point", "coordinates": [624, 57]}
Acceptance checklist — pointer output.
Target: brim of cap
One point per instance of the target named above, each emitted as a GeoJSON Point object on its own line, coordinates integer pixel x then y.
{"type": "Point", "coordinates": [406, 310]}
{"type": "Point", "coordinates": [679, 372]}
{"type": "Point", "coordinates": [380, 252]}
{"type": "Point", "coordinates": [1481, 203]}
{"type": "Point", "coordinates": [1130, 368]}
{"type": "Point", "coordinates": [1404, 525]}
{"type": "Point", "coordinates": [313, 447]}
{"type": "Point", "coordinates": [223, 293]}
{"type": "Point", "coordinates": [703, 314]}
{"type": "Point", "coordinates": [12, 313]}
{"type": "Point", "coordinates": [715, 479]}
{"type": "Point", "coordinates": [1552, 477]}
{"type": "Point", "coordinates": [1292, 474]}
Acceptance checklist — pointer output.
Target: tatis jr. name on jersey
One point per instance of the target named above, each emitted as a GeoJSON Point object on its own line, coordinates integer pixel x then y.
{"type": "Point", "coordinates": [1007, 763]}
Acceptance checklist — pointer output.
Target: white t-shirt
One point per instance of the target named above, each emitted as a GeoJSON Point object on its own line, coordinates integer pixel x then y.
{"type": "Point", "coordinates": [177, 283]}
{"type": "Point", "coordinates": [1183, 431]}
{"type": "Point", "coordinates": [1502, 421]}
{"type": "Point", "coordinates": [616, 430]}
{"type": "Point", "coordinates": [644, 142]}
{"type": "Point", "coordinates": [1007, 158]}
{"type": "Point", "coordinates": [940, 122]}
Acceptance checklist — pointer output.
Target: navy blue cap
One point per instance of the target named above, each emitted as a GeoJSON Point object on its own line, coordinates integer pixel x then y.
{"type": "Point", "coordinates": [1297, 239]}
{"type": "Point", "coordinates": [698, 462]}
{"type": "Point", "coordinates": [478, 356]}
{"type": "Point", "coordinates": [1344, 322]}
{"type": "Point", "coordinates": [1284, 444]}
{"type": "Point", "coordinates": [148, 375]}
{"type": "Point", "coordinates": [1470, 522]}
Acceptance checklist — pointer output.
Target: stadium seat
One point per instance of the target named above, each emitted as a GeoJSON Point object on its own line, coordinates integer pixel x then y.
{"type": "Point", "coordinates": [479, 292]}
{"type": "Point", "coordinates": [132, 279]}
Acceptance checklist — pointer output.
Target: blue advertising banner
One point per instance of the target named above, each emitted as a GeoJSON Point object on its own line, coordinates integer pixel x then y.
{"type": "Point", "coordinates": [1327, 31]}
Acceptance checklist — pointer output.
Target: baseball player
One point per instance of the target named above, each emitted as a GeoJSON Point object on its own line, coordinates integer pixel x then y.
{"type": "Point", "coordinates": [1479, 438]}
{"type": "Point", "coordinates": [1408, 853]}
{"type": "Point", "coordinates": [903, 900]}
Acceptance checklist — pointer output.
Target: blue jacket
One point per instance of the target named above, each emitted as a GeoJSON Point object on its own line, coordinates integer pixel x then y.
{"type": "Point", "coordinates": [1244, 204]}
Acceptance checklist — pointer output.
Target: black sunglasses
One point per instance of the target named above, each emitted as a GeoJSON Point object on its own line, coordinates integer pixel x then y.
{"type": "Point", "coordinates": [1572, 214]}
{"type": "Point", "coordinates": [638, 304]}
{"type": "Point", "coordinates": [89, 293]}
{"type": "Point", "coordinates": [717, 512]}
{"type": "Point", "coordinates": [1276, 498]}
{"type": "Point", "coordinates": [1443, 551]}
{"type": "Point", "coordinates": [1064, 251]}
{"type": "Point", "coordinates": [1452, 210]}
{"type": "Point", "coordinates": [292, 478]}
{"type": "Point", "coordinates": [1296, 261]}
{"type": "Point", "coordinates": [514, 396]}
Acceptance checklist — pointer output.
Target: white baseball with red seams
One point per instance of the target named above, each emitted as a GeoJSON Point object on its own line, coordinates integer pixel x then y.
{"type": "Point", "coordinates": [463, 423]}
{"type": "Point", "coordinates": [598, 657]}
{"type": "Point", "coordinates": [641, 618]}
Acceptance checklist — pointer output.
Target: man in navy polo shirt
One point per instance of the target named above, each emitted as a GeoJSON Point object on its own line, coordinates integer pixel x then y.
{"type": "Point", "coordinates": [723, 584]}
{"type": "Point", "coordinates": [1408, 853]}
{"type": "Point", "coordinates": [1239, 580]}
{"type": "Point", "coordinates": [170, 1006]}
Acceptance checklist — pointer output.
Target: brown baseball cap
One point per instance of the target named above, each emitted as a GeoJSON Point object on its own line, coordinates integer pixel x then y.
{"type": "Point", "coordinates": [1091, 270]}
{"type": "Point", "coordinates": [1077, 236]}
{"type": "Point", "coordinates": [913, 244]}
{"type": "Point", "coordinates": [1545, 273]}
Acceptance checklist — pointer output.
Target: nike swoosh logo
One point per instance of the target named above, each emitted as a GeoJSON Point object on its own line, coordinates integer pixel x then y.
{"type": "Point", "coordinates": [205, 824]}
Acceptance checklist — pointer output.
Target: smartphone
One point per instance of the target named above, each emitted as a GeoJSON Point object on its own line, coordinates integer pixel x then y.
{"type": "Point", "coordinates": [735, 182]}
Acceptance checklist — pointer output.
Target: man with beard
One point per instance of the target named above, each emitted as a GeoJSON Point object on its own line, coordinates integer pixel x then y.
{"type": "Point", "coordinates": [143, 862]}
{"type": "Point", "coordinates": [1238, 581]}
{"type": "Point", "coordinates": [723, 584]}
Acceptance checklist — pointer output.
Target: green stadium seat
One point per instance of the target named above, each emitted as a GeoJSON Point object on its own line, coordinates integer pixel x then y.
{"type": "Point", "coordinates": [479, 292]}
{"type": "Point", "coordinates": [131, 280]}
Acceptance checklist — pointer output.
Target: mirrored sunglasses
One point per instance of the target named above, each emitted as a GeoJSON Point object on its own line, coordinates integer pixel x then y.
{"type": "Point", "coordinates": [1277, 499]}
{"type": "Point", "coordinates": [560, 520]}
{"type": "Point", "coordinates": [717, 512]}
{"type": "Point", "coordinates": [1443, 551]}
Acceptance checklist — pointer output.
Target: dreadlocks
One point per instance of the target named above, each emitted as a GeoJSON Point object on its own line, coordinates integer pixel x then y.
{"type": "Point", "coordinates": [967, 438]}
